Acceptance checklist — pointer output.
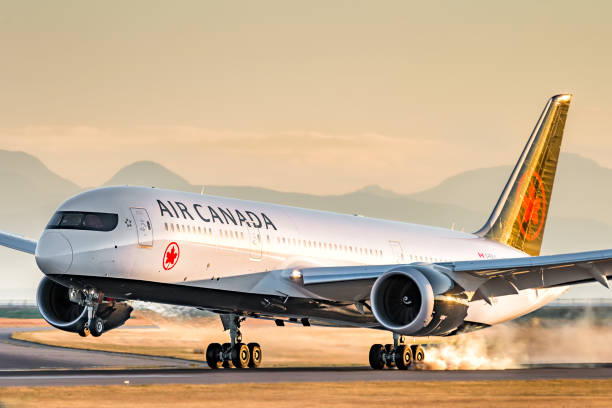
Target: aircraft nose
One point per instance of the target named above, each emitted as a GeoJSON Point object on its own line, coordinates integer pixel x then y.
{"type": "Point", "coordinates": [53, 253]}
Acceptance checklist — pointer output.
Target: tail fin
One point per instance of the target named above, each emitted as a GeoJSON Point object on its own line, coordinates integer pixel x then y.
{"type": "Point", "coordinates": [519, 217]}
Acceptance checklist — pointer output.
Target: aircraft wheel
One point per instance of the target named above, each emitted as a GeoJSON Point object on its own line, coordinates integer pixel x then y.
{"type": "Point", "coordinates": [97, 327]}
{"type": "Point", "coordinates": [213, 352]}
{"type": "Point", "coordinates": [418, 353]}
{"type": "Point", "coordinates": [376, 357]}
{"type": "Point", "coordinates": [389, 352]}
{"type": "Point", "coordinates": [240, 355]}
{"type": "Point", "coordinates": [83, 330]}
{"type": "Point", "coordinates": [227, 352]}
{"type": "Point", "coordinates": [256, 356]}
{"type": "Point", "coordinates": [403, 357]}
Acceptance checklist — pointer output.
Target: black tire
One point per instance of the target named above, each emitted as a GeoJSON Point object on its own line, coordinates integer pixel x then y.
{"type": "Point", "coordinates": [241, 355]}
{"type": "Point", "coordinates": [212, 355]}
{"type": "Point", "coordinates": [97, 327]}
{"type": "Point", "coordinates": [227, 350]}
{"type": "Point", "coordinates": [376, 357]}
{"type": "Point", "coordinates": [389, 352]}
{"type": "Point", "coordinates": [256, 355]}
{"type": "Point", "coordinates": [403, 357]}
{"type": "Point", "coordinates": [418, 353]}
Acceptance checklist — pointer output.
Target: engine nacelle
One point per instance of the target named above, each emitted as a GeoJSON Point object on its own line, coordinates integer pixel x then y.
{"type": "Point", "coordinates": [60, 311]}
{"type": "Point", "coordinates": [418, 301]}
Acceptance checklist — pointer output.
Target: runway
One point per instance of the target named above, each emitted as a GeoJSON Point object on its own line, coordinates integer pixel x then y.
{"type": "Point", "coordinates": [29, 364]}
{"type": "Point", "coordinates": [22, 355]}
{"type": "Point", "coordinates": [276, 375]}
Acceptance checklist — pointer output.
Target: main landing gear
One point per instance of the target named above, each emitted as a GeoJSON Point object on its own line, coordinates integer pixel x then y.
{"type": "Point", "coordinates": [398, 354]}
{"type": "Point", "coordinates": [236, 353]}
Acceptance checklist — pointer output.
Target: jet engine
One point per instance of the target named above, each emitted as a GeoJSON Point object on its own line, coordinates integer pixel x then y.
{"type": "Point", "coordinates": [418, 301]}
{"type": "Point", "coordinates": [63, 308]}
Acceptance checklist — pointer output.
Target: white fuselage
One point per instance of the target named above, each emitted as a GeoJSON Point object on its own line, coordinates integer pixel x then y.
{"type": "Point", "coordinates": [220, 238]}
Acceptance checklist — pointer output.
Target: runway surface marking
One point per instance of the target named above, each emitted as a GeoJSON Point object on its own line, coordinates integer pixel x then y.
{"type": "Point", "coordinates": [276, 375]}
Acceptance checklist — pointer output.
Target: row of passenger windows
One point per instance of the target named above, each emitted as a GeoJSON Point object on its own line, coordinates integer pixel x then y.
{"type": "Point", "coordinates": [294, 242]}
{"type": "Point", "coordinates": [420, 258]}
{"type": "Point", "coordinates": [280, 240]}
{"type": "Point", "coordinates": [203, 231]}
{"type": "Point", "coordinates": [328, 245]}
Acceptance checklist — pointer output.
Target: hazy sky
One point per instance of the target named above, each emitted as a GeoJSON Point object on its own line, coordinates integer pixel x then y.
{"type": "Point", "coordinates": [305, 96]}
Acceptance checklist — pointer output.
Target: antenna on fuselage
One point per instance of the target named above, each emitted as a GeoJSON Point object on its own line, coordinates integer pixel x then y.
{"type": "Point", "coordinates": [202, 190]}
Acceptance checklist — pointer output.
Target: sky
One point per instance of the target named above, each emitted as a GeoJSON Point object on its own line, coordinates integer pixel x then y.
{"type": "Point", "coordinates": [318, 96]}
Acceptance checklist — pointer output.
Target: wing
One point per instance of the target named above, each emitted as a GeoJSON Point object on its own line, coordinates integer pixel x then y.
{"type": "Point", "coordinates": [17, 242]}
{"type": "Point", "coordinates": [507, 276]}
{"type": "Point", "coordinates": [483, 278]}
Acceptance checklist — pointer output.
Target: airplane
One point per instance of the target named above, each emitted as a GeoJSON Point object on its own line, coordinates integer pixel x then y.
{"type": "Point", "coordinates": [106, 247]}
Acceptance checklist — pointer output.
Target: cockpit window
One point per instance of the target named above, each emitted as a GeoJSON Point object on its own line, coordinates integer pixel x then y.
{"type": "Point", "coordinates": [83, 221]}
{"type": "Point", "coordinates": [71, 220]}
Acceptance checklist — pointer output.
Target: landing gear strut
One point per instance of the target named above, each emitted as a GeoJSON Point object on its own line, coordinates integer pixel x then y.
{"type": "Point", "coordinates": [236, 353]}
{"type": "Point", "coordinates": [91, 299]}
{"type": "Point", "coordinates": [398, 354]}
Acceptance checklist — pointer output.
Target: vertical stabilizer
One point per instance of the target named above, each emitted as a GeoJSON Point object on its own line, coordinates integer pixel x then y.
{"type": "Point", "coordinates": [519, 217]}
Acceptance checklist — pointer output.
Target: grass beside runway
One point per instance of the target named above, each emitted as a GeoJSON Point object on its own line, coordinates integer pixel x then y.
{"type": "Point", "coordinates": [498, 394]}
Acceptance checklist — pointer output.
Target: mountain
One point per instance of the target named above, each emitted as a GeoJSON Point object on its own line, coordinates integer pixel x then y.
{"type": "Point", "coordinates": [583, 189]}
{"type": "Point", "coordinates": [150, 174]}
{"type": "Point", "coordinates": [31, 192]}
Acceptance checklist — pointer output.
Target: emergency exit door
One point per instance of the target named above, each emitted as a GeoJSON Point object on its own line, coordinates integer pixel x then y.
{"type": "Point", "coordinates": [255, 244]}
{"type": "Point", "coordinates": [396, 250]}
{"type": "Point", "coordinates": [143, 226]}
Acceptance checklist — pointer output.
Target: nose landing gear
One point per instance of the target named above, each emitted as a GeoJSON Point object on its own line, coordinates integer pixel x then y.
{"type": "Point", "coordinates": [398, 354]}
{"type": "Point", "coordinates": [235, 354]}
{"type": "Point", "coordinates": [89, 298]}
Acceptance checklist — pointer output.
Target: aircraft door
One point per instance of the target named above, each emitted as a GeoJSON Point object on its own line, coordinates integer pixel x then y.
{"type": "Point", "coordinates": [255, 243]}
{"type": "Point", "coordinates": [396, 250]}
{"type": "Point", "coordinates": [143, 226]}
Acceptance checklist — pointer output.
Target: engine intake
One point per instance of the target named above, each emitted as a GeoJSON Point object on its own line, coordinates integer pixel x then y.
{"type": "Point", "coordinates": [418, 301]}
{"type": "Point", "coordinates": [60, 311]}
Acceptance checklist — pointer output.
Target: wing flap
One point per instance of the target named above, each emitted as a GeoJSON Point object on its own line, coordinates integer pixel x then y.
{"type": "Point", "coordinates": [501, 276]}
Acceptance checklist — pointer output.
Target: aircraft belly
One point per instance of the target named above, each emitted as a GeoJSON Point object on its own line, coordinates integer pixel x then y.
{"type": "Point", "coordinates": [224, 301]}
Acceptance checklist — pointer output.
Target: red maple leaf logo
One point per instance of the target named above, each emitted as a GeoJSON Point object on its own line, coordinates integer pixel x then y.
{"type": "Point", "coordinates": [533, 207]}
{"type": "Point", "coordinates": [171, 256]}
